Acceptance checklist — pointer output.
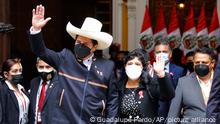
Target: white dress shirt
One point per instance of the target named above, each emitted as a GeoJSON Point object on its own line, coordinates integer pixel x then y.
{"type": "Point", "coordinates": [167, 67]}
{"type": "Point", "coordinates": [206, 88]}
{"type": "Point", "coordinates": [88, 62]}
{"type": "Point", "coordinates": [38, 117]}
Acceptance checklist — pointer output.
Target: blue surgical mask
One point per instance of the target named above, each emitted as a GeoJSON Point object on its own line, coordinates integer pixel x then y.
{"type": "Point", "coordinates": [165, 56]}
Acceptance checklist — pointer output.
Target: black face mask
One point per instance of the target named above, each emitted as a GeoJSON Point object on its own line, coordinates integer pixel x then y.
{"type": "Point", "coordinates": [16, 79]}
{"type": "Point", "coordinates": [119, 64]}
{"type": "Point", "coordinates": [81, 51]}
{"type": "Point", "coordinates": [46, 76]}
{"type": "Point", "coordinates": [201, 70]}
{"type": "Point", "coordinates": [189, 66]}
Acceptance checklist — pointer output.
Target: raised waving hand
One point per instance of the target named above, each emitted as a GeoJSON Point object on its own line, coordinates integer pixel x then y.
{"type": "Point", "coordinates": [38, 20]}
{"type": "Point", "coordinates": [159, 66]}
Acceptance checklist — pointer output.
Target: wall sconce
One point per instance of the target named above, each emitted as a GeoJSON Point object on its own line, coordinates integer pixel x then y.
{"type": "Point", "coordinates": [181, 4]}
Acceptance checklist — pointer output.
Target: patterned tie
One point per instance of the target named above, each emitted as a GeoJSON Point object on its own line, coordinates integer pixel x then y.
{"type": "Point", "coordinates": [41, 100]}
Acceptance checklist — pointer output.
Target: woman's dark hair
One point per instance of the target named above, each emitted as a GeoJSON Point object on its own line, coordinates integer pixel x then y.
{"type": "Point", "coordinates": [145, 77]}
{"type": "Point", "coordinates": [6, 66]}
{"type": "Point", "coordinates": [140, 54]}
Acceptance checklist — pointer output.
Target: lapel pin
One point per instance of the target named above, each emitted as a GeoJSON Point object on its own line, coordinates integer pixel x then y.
{"type": "Point", "coordinates": [51, 86]}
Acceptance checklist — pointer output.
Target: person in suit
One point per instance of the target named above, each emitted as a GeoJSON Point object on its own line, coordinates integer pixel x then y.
{"type": "Point", "coordinates": [13, 97]}
{"type": "Point", "coordinates": [41, 113]}
{"type": "Point", "coordinates": [163, 49]}
{"type": "Point", "coordinates": [89, 87]}
{"type": "Point", "coordinates": [192, 93]}
{"type": "Point", "coordinates": [189, 67]}
{"type": "Point", "coordinates": [138, 92]}
{"type": "Point", "coordinates": [213, 109]}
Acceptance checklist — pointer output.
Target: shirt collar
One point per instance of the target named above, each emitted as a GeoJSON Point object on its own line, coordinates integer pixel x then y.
{"type": "Point", "coordinates": [167, 67]}
{"type": "Point", "coordinates": [210, 80]}
{"type": "Point", "coordinates": [48, 82]}
{"type": "Point", "coordinates": [88, 62]}
{"type": "Point", "coordinates": [12, 88]}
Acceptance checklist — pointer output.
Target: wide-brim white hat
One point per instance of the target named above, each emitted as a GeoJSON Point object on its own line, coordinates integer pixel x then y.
{"type": "Point", "coordinates": [91, 28]}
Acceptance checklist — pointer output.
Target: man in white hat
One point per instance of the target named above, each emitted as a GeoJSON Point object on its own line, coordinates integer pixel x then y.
{"type": "Point", "coordinates": [88, 88]}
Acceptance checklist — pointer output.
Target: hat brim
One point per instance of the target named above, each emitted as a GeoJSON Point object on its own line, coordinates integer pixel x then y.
{"type": "Point", "coordinates": [104, 39]}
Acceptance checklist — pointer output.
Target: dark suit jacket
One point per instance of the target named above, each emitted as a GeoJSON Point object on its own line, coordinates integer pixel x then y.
{"type": "Point", "coordinates": [49, 102]}
{"type": "Point", "coordinates": [176, 72]}
{"type": "Point", "coordinates": [9, 105]}
{"type": "Point", "coordinates": [188, 102]}
{"type": "Point", "coordinates": [213, 107]}
{"type": "Point", "coordinates": [85, 93]}
{"type": "Point", "coordinates": [158, 88]}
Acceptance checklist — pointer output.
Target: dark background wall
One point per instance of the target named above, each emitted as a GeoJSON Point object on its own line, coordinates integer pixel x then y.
{"type": "Point", "coordinates": [55, 36]}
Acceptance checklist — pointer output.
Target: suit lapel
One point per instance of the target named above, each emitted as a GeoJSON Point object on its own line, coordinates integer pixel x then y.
{"type": "Point", "coordinates": [35, 90]}
{"type": "Point", "coordinates": [172, 74]}
{"type": "Point", "coordinates": [198, 89]}
{"type": "Point", "coordinates": [171, 67]}
{"type": "Point", "coordinates": [14, 99]}
{"type": "Point", "coordinates": [50, 89]}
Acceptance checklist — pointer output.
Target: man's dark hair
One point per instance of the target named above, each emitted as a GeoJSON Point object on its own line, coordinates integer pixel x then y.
{"type": "Point", "coordinates": [94, 42]}
{"type": "Point", "coordinates": [162, 42]}
{"type": "Point", "coordinates": [207, 51]}
{"type": "Point", "coordinates": [190, 53]}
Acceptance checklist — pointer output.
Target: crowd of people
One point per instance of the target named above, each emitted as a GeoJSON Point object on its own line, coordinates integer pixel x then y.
{"type": "Point", "coordinates": [76, 87]}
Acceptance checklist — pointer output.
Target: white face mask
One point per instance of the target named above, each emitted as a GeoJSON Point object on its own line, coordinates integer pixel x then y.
{"type": "Point", "coordinates": [133, 71]}
{"type": "Point", "coordinates": [164, 56]}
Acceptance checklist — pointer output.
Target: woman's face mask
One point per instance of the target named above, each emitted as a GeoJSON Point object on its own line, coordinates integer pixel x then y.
{"type": "Point", "coordinates": [134, 69]}
{"type": "Point", "coordinates": [14, 76]}
{"type": "Point", "coordinates": [16, 79]}
{"type": "Point", "coordinates": [190, 66]}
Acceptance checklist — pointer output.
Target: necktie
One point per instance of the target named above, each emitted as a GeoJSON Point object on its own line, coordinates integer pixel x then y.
{"type": "Point", "coordinates": [41, 100]}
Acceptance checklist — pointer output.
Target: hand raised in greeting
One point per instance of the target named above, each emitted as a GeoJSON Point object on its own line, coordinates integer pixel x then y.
{"type": "Point", "coordinates": [159, 66]}
{"type": "Point", "coordinates": [38, 20]}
